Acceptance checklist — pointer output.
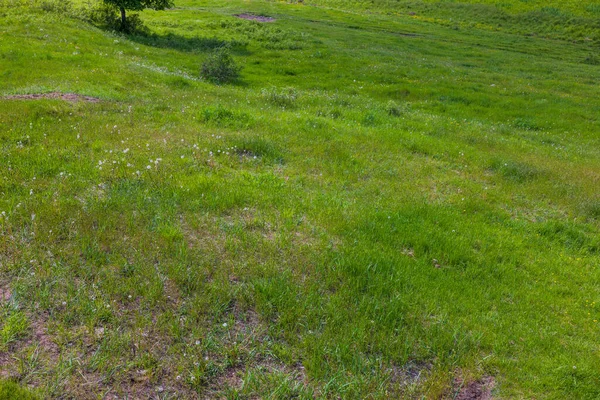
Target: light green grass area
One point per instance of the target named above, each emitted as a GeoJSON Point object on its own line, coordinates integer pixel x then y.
{"type": "Point", "coordinates": [573, 20]}
{"type": "Point", "coordinates": [384, 205]}
{"type": "Point", "coordinates": [573, 7]}
{"type": "Point", "coordinates": [12, 391]}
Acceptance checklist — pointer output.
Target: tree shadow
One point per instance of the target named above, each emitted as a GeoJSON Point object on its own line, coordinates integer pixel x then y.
{"type": "Point", "coordinates": [182, 43]}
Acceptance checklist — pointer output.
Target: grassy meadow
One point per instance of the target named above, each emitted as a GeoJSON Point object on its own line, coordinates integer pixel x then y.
{"type": "Point", "coordinates": [394, 200]}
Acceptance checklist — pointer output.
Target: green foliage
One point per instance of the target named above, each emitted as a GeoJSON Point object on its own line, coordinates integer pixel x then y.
{"type": "Point", "coordinates": [133, 23]}
{"type": "Point", "coordinates": [12, 391]}
{"type": "Point", "coordinates": [220, 67]}
{"type": "Point", "coordinates": [104, 16]}
{"type": "Point", "coordinates": [13, 325]}
{"type": "Point", "coordinates": [138, 5]}
{"type": "Point", "coordinates": [59, 7]}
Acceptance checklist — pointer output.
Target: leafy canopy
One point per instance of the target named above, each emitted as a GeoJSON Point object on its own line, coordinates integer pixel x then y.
{"type": "Point", "coordinates": [138, 5]}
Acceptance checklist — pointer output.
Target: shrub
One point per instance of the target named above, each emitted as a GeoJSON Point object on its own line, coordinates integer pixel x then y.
{"type": "Point", "coordinates": [102, 15]}
{"type": "Point", "coordinates": [58, 7]}
{"type": "Point", "coordinates": [97, 13]}
{"type": "Point", "coordinates": [284, 97]}
{"type": "Point", "coordinates": [220, 67]}
{"type": "Point", "coordinates": [132, 24]}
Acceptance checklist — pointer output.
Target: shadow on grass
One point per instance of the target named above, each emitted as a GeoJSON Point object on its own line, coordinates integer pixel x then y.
{"type": "Point", "coordinates": [189, 44]}
{"type": "Point", "coordinates": [136, 30]}
{"type": "Point", "coordinates": [140, 33]}
{"type": "Point", "coordinates": [178, 42]}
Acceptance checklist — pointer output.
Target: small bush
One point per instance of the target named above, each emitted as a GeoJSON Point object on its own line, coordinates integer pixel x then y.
{"type": "Point", "coordinates": [97, 13]}
{"type": "Point", "coordinates": [220, 67]}
{"type": "Point", "coordinates": [105, 17]}
{"type": "Point", "coordinates": [101, 15]}
{"type": "Point", "coordinates": [58, 7]}
{"type": "Point", "coordinates": [284, 97]}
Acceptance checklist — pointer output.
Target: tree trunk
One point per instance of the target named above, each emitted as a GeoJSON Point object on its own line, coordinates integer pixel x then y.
{"type": "Point", "coordinates": [122, 17]}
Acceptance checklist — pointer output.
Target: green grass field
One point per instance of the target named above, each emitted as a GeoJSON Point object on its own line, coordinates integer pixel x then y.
{"type": "Point", "coordinates": [392, 201]}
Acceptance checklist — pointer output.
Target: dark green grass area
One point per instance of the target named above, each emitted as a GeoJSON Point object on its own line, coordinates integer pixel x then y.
{"type": "Point", "coordinates": [381, 206]}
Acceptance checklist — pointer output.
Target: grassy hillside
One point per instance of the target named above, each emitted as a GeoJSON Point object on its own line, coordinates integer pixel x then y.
{"type": "Point", "coordinates": [574, 7]}
{"type": "Point", "coordinates": [382, 206]}
{"type": "Point", "coordinates": [568, 20]}
{"type": "Point", "coordinates": [517, 6]}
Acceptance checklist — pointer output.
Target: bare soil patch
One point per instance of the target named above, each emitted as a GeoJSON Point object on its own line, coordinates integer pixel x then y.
{"type": "Point", "coordinates": [477, 390]}
{"type": "Point", "coordinates": [259, 18]}
{"type": "Point", "coordinates": [72, 97]}
{"type": "Point", "coordinates": [38, 337]}
{"type": "Point", "coordinates": [42, 338]}
{"type": "Point", "coordinates": [409, 374]}
{"type": "Point", "coordinates": [4, 294]}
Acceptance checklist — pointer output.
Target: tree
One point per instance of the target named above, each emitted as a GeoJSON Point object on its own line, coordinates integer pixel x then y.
{"type": "Point", "coordinates": [137, 5]}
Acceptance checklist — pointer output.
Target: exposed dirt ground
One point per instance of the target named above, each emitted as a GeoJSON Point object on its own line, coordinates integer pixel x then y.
{"type": "Point", "coordinates": [477, 390]}
{"type": "Point", "coordinates": [53, 95]}
{"type": "Point", "coordinates": [259, 18]}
